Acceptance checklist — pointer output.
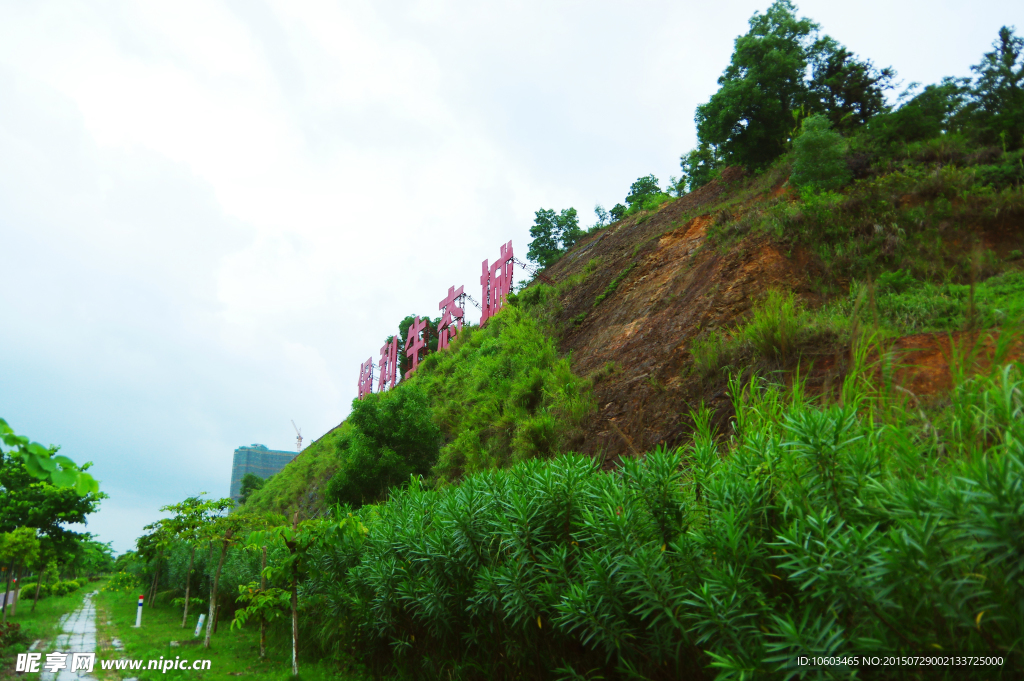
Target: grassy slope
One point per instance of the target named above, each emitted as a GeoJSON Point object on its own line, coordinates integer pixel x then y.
{"type": "Point", "coordinates": [298, 484]}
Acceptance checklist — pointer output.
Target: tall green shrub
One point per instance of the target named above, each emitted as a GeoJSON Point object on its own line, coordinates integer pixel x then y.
{"type": "Point", "coordinates": [818, 162]}
{"type": "Point", "coordinates": [812, 530]}
{"type": "Point", "coordinates": [393, 437]}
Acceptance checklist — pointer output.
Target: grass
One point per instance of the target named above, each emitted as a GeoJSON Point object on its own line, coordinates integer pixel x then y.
{"type": "Point", "coordinates": [778, 327]}
{"type": "Point", "coordinates": [232, 653]}
{"type": "Point", "coordinates": [42, 624]}
{"type": "Point", "coordinates": [921, 306]}
{"type": "Point", "coordinates": [614, 284]}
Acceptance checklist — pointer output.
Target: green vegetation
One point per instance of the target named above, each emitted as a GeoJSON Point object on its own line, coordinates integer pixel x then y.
{"type": "Point", "coordinates": [614, 284]}
{"type": "Point", "coordinates": [392, 436]}
{"type": "Point", "coordinates": [35, 621]}
{"type": "Point", "coordinates": [503, 394]}
{"type": "Point", "coordinates": [777, 328]}
{"type": "Point", "coordinates": [812, 526]}
{"type": "Point", "coordinates": [553, 235]}
{"type": "Point", "coordinates": [914, 306]}
{"type": "Point", "coordinates": [818, 156]}
{"type": "Point", "coordinates": [234, 655]}
{"type": "Point", "coordinates": [250, 483]}
{"type": "Point", "coordinates": [779, 71]}
{"type": "Point", "coordinates": [42, 492]}
{"type": "Point", "coordinates": [43, 463]}
{"type": "Point", "coordinates": [446, 529]}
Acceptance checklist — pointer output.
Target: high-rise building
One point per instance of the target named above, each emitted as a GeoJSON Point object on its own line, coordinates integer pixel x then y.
{"type": "Point", "coordinates": [258, 460]}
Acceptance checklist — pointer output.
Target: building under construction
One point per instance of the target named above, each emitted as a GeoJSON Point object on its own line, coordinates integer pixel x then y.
{"type": "Point", "coordinates": [258, 460]}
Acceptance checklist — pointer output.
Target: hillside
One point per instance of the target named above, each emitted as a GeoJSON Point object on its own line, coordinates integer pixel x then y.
{"type": "Point", "coordinates": [690, 275]}
{"type": "Point", "coordinates": [770, 410]}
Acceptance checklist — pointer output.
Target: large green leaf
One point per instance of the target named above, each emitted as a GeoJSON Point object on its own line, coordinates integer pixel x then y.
{"type": "Point", "coordinates": [64, 478]}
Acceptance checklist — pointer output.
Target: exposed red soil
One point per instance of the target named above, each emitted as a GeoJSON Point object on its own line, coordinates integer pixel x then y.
{"type": "Point", "coordinates": [676, 292]}
{"type": "Point", "coordinates": [923, 362]}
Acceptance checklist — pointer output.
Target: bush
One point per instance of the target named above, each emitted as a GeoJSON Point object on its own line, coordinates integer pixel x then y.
{"type": "Point", "coordinates": [818, 156]}
{"type": "Point", "coordinates": [393, 437]}
{"type": "Point", "coordinates": [65, 588]}
{"type": "Point", "coordinates": [810, 530]}
{"type": "Point", "coordinates": [29, 591]}
{"type": "Point", "coordinates": [122, 582]}
{"type": "Point", "coordinates": [11, 635]}
{"type": "Point", "coordinates": [774, 327]}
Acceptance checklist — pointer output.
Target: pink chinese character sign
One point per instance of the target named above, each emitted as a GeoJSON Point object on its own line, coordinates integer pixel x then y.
{"type": "Point", "coordinates": [452, 313]}
{"type": "Point", "coordinates": [414, 342]}
{"type": "Point", "coordinates": [496, 283]}
{"type": "Point", "coordinates": [366, 378]}
{"type": "Point", "coordinates": [388, 365]}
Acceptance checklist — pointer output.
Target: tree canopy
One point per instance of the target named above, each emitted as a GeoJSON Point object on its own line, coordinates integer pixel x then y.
{"type": "Point", "coordinates": [780, 71]}
{"type": "Point", "coordinates": [27, 501]}
{"type": "Point", "coordinates": [553, 234]}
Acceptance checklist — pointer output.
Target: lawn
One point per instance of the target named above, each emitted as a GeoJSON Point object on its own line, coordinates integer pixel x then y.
{"type": "Point", "coordinates": [232, 653]}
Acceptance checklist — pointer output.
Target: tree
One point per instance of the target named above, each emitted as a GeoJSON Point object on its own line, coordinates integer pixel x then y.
{"type": "Point", "coordinates": [849, 92]}
{"type": "Point", "coordinates": [642, 192]}
{"type": "Point", "coordinates": [749, 117]}
{"type": "Point", "coordinates": [999, 91]}
{"type": "Point", "coordinates": [223, 529]}
{"type": "Point", "coordinates": [190, 518]}
{"type": "Point", "coordinates": [700, 166]}
{"type": "Point", "coordinates": [818, 161]}
{"type": "Point", "coordinates": [938, 109]}
{"type": "Point", "coordinates": [17, 549]}
{"type": "Point", "coordinates": [27, 501]}
{"type": "Point", "coordinates": [302, 540]}
{"type": "Point", "coordinates": [151, 546]}
{"type": "Point", "coordinates": [553, 234]}
{"type": "Point", "coordinates": [43, 463]}
{"type": "Point", "coordinates": [250, 483]}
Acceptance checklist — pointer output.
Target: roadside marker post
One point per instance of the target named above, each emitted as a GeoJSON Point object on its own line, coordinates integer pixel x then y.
{"type": "Point", "coordinates": [199, 625]}
{"type": "Point", "coordinates": [138, 615]}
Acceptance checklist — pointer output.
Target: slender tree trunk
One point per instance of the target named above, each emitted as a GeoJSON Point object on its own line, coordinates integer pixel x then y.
{"type": "Point", "coordinates": [263, 619]}
{"type": "Point", "coordinates": [295, 603]}
{"type": "Point", "coordinates": [295, 624]}
{"type": "Point", "coordinates": [17, 593]}
{"type": "Point", "coordinates": [39, 585]}
{"type": "Point", "coordinates": [156, 578]}
{"type": "Point", "coordinates": [213, 590]}
{"type": "Point", "coordinates": [7, 590]}
{"type": "Point", "coordinates": [188, 585]}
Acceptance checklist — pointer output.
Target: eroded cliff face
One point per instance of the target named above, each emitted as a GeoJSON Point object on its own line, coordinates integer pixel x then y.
{"type": "Point", "coordinates": [636, 343]}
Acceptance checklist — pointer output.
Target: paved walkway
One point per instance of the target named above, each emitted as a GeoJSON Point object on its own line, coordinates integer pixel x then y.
{"type": "Point", "coordinates": [77, 635]}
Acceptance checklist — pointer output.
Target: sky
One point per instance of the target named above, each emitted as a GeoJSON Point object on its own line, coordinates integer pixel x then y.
{"type": "Point", "coordinates": [211, 212]}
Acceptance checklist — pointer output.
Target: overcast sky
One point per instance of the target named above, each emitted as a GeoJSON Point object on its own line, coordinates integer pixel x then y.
{"type": "Point", "coordinates": [212, 212]}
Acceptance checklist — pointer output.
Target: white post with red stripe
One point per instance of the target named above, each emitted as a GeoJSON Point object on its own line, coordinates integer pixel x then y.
{"type": "Point", "coordinates": [138, 615]}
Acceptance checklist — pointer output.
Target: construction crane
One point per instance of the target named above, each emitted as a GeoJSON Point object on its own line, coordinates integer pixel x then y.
{"type": "Point", "coordinates": [298, 437]}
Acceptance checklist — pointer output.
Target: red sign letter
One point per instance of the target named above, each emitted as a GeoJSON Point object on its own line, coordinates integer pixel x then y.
{"type": "Point", "coordinates": [496, 281]}
{"type": "Point", "coordinates": [366, 378]}
{"type": "Point", "coordinates": [388, 365]}
{"type": "Point", "coordinates": [451, 310]}
{"type": "Point", "coordinates": [414, 343]}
